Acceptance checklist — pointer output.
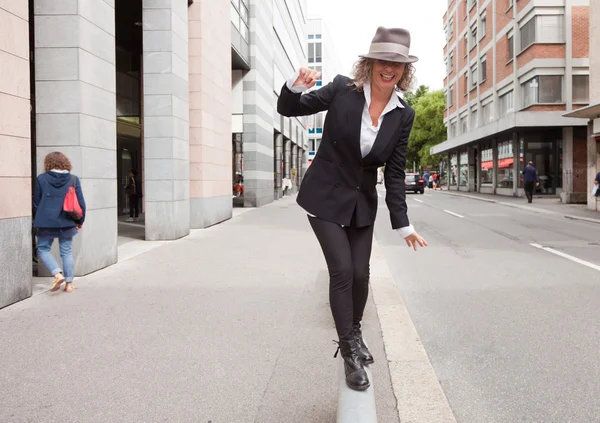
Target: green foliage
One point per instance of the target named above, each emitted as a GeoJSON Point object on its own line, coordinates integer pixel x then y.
{"type": "Point", "coordinates": [428, 127]}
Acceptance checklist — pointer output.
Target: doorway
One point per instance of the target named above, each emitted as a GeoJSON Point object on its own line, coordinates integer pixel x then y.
{"type": "Point", "coordinates": [543, 158]}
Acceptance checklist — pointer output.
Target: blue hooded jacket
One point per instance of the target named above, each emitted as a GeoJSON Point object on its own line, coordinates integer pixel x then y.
{"type": "Point", "coordinates": [48, 198]}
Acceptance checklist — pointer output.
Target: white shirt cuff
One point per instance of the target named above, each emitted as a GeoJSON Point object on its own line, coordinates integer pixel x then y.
{"type": "Point", "coordinates": [290, 84]}
{"type": "Point", "coordinates": [406, 231]}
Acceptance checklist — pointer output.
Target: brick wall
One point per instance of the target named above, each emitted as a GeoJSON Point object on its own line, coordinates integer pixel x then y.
{"type": "Point", "coordinates": [473, 92]}
{"type": "Point", "coordinates": [541, 51]}
{"type": "Point", "coordinates": [488, 32]}
{"type": "Point", "coordinates": [521, 4]}
{"type": "Point", "coordinates": [546, 108]}
{"type": "Point", "coordinates": [503, 70]}
{"type": "Point", "coordinates": [503, 16]}
{"type": "Point", "coordinates": [581, 32]}
{"type": "Point", "coordinates": [462, 12]}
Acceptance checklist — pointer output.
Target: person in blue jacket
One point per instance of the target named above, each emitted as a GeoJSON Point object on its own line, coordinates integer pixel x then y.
{"type": "Point", "coordinates": [531, 180]}
{"type": "Point", "coordinates": [597, 182]}
{"type": "Point", "coordinates": [52, 222]}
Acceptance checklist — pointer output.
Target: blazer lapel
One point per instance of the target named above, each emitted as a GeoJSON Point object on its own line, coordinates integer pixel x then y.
{"type": "Point", "coordinates": [354, 118]}
{"type": "Point", "coordinates": [388, 127]}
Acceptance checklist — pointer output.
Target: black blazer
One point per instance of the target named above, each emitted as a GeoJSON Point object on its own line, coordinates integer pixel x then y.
{"type": "Point", "coordinates": [340, 181]}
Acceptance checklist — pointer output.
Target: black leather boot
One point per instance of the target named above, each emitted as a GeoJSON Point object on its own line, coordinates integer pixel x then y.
{"type": "Point", "coordinates": [356, 376]}
{"type": "Point", "coordinates": [363, 352]}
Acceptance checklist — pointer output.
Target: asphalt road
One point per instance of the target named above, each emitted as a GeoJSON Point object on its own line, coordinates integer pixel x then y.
{"type": "Point", "coordinates": [512, 330]}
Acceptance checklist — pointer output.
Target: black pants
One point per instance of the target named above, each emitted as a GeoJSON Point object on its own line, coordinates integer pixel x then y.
{"type": "Point", "coordinates": [134, 205]}
{"type": "Point", "coordinates": [347, 252]}
{"type": "Point", "coordinates": [529, 187]}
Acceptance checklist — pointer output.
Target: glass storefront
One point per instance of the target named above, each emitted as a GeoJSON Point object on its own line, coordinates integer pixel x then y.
{"type": "Point", "coordinates": [464, 169]}
{"type": "Point", "coordinates": [487, 165]}
{"type": "Point", "coordinates": [505, 175]}
{"type": "Point", "coordinates": [453, 170]}
{"type": "Point", "coordinates": [544, 149]}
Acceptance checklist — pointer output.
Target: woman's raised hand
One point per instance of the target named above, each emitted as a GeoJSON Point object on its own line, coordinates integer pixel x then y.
{"type": "Point", "coordinates": [307, 77]}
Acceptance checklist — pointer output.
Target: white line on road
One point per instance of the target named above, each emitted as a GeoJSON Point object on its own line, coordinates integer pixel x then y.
{"type": "Point", "coordinates": [453, 214]}
{"type": "Point", "coordinates": [567, 256]}
{"type": "Point", "coordinates": [428, 195]}
{"type": "Point", "coordinates": [417, 200]}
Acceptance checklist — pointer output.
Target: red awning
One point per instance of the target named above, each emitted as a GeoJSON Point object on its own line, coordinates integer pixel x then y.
{"type": "Point", "coordinates": [505, 163]}
{"type": "Point", "coordinates": [487, 165]}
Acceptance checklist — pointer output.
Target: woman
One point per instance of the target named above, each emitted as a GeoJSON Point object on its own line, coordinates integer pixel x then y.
{"type": "Point", "coordinates": [367, 126]}
{"type": "Point", "coordinates": [52, 222]}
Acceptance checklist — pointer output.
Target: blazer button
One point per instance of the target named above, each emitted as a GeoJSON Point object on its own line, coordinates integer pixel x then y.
{"type": "Point", "coordinates": [358, 188]}
{"type": "Point", "coordinates": [337, 185]}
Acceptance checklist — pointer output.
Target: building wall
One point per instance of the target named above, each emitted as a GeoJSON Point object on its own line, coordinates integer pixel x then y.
{"type": "Point", "coordinates": [210, 112]}
{"type": "Point", "coordinates": [166, 119]}
{"type": "Point", "coordinates": [76, 113]}
{"type": "Point", "coordinates": [15, 145]}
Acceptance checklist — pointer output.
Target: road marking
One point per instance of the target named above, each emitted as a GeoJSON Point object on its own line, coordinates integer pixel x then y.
{"type": "Point", "coordinates": [567, 256]}
{"type": "Point", "coordinates": [417, 200]}
{"type": "Point", "coordinates": [428, 195]}
{"type": "Point", "coordinates": [453, 214]}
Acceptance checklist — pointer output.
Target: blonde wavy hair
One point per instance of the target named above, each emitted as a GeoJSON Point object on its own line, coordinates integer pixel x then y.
{"type": "Point", "coordinates": [363, 71]}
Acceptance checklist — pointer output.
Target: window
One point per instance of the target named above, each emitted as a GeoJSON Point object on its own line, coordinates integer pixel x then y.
{"type": "Point", "coordinates": [466, 82]}
{"type": "Point", "coordinates": [318, 36]}
{"type": "Point", "coordinates": [511, 48]}
{"type": "Point", "coordinates": [472, 3]}
{"type": "Point", "coordinates": [473, 41]}
{"type": "Point", "coordinates": [505, 175]}
{"type": "Point", "coordinates": [450, 28]}
{"type": "Point", "coordinates": [464, 124]}
{"type": "Point", "coordinates": [318, 49]}
{"type": "Point", "coordinates": [483, 25]}
{"type": "Point", "coordinates": [483, 69]}
{"type": "Point", "coordinates": [466, 45]}
{"type": "Point", "coordinates": [487, 165]}
{"type": "Point", "coordinates": [542, 89]}
{"type": "Point", "coordinates": [474, 75]}
{"type": "Point", "coordinates": [543, 29]}
{"type": "Point", "coordinates": [450, 98]}
{"type": "Point", "coordinates": [474, 120]}
{"type": "Point", "coordinates": [486, 113]}
{"type": "Point", "coordinates": [311, 52]}
{"type": "Point", "coordinates": [451, 57]}
{"type": "Point", "coordinates": [528, 34]}
{"type": "Point", "coordinates": [453, 130]}
{"type": "Point", "coordinates": [239, 17]}
{"type": "Point", "coordinates": [581, 88]}
{"type": "Point", "coordinates": [453, 169]}
{"type": "Point", "coordinates": [311, 37]}
{"type": "Point", "coordinates": [506, 103]}
{"type": "Point", "coordinates": [463, 180]}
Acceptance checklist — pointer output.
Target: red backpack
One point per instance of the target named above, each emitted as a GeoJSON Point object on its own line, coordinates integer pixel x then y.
{"type": "Point", "coordinates": [71, 204]}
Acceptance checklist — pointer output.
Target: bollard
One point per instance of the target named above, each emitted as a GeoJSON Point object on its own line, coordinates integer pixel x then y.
{"type": "Point", "coordinates": [355, 406]}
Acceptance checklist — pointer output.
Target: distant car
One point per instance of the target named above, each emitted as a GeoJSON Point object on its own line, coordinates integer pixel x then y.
{"type": "Point", "coordinates": [414, 182]}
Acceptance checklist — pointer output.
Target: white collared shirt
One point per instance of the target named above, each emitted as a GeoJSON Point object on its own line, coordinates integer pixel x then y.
{"type": "Point", "coordinates": [368, 132]}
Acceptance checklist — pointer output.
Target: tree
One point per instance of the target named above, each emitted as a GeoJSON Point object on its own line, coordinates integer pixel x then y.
{"type": "Point", "coordinates": [428, 127]}
{"type": "Point", "coordinates": [412, 98]}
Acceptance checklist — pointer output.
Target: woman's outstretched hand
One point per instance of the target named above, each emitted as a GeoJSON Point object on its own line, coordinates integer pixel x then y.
{"type": "Point", "coordinates": [415, 240]}
{"type": "Point", "coordinates": [307, 77]}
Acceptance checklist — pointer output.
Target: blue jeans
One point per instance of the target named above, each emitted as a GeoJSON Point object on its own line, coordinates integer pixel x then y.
{"type": "Point", "coordinates": [66, 254]}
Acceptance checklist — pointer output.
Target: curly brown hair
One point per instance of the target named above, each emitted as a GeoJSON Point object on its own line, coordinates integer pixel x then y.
{"type": "Point", "coordinates": [58, 161]}
{"type": "Point", "coordinates": [363, 70]}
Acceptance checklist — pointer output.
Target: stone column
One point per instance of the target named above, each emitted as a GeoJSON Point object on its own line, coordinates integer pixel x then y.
{"type": "Point", "coordinates": [278, 162]}
{"type": "Point", "coordinates": [210, 113]}
{"type": "Point", "coordinates": [76, 113]}
{"type": "Point", "coordinates": [166, 119]}
{"type": "Point", "coordinates": [287, 159]}
{"type": "Point", "coordinates": [516, 157]}
{"type": "Point", "coordinates": [568, 173]}
{"type": "Point", "coordinates": [259, 108]}
{"type": "Point", "coordinates": [495, 162]}
{"type": "Point", "coordinates": [593, 157]}
{"type": "Point", "coordinates": [15, 159]}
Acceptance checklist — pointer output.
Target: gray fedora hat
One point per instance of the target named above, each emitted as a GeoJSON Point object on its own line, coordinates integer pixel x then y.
{"type": "Point", "coordinates": [392, 45]}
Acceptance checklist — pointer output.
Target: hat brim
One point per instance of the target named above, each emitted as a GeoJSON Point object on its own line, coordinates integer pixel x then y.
{"type": "Point", "coordinates": [390, 57]}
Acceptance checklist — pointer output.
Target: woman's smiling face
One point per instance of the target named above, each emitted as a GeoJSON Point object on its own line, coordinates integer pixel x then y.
{"type": "Point", "coordinates": [386, 75]}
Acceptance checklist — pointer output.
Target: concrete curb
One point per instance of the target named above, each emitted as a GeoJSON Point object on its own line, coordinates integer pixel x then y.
{"type": "Point", "coordinates": [528, 208]}
{"type": "Point", "coordinates": [419, 396]}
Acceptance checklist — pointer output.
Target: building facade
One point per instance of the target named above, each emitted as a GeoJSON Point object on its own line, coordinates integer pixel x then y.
{"type": "Point", "coordinates": [322, 57]}
{"type": "Point", "coordinates": [592, 112]}
{"type": "Point", "coordinates": [513, 69]}
{"type": "Point", "coordinates": [268, 46]}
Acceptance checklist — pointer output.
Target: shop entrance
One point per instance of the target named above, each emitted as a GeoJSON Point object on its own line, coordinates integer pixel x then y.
{"type": "Point", "coordinates": [543, 158]}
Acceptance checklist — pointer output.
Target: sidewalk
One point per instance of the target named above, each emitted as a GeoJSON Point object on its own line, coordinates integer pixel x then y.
{"type": "Point", "coordinates": [228, 325]}
{"type": "Point", "coordinates": [540, 205]}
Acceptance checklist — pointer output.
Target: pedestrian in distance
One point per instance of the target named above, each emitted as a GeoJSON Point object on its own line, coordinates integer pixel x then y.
{"type": "Point", "coordinates": [531, 180]}
{"type": "Point", "coordinates": [596, 191]}
{"type": "Point", "coordinates": [367, 126]}
{"type": "Point", "coordinates": [53, 221]}
{"type": "Point", "coordinates": [133, 189]}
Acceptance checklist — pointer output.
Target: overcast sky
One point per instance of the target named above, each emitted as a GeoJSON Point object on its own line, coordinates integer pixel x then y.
{"type": "Point", "coordinates": [352, 25]}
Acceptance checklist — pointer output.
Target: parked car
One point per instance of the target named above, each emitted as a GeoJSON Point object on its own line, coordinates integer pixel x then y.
{"type": "Point", "coordinates": [414, 182]}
